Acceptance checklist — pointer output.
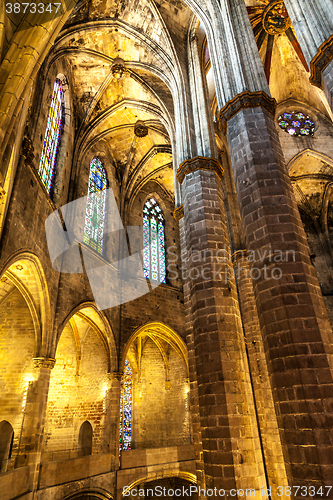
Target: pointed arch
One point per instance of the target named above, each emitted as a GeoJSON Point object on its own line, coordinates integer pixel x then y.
{"type": "Point", "coordinates": [100, 325]}
{"type": "Point", "coordinates": [85, 438]}
{"type": "Point", "coordinates": [25, 272]}
{"type": "Point", "coordinates": [158, 330]}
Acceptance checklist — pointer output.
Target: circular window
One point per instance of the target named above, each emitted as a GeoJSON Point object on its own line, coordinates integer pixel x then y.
{"type": "Point", "coordinates": [296, 123]}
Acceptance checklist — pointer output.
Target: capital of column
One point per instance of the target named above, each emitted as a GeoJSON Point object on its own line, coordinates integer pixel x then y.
{"type": "Point", "coordinates": [198, 163]}
{"type": "Point", "coordinates": [323, 57]}
{"type": "Point", "coordinates": [44, 363]}
{"type": "Point", "coordinates": [245, 100]}
{"type": "Point", "coordinates": [178, 213]}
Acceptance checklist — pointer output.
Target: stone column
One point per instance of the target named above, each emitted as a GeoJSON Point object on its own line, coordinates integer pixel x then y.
{"type": "Point", "coordinates": [34, 419]}
{"type": "Point", "coordinates": [297, 334]}
{"type": "Point", "coordinates": [194, 395]}
{"type": "Point", "coordinates": [231, 448]}
{"type": "Point", "coordinates": [268, 426]}
{"type": "Point", "coordinates": [313, 23]}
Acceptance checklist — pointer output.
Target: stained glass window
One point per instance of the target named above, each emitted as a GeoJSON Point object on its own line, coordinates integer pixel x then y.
{"type": "Point", "coordinates": [126, 408]}
{"type": "Point", "coordinates": [153, 242]}
{"type": "Point", "coordinates": [296, 124]}
{"type": "Point", "coordinates": [95, 211]}
{"type": "Point", "coordinates": [48, 155]}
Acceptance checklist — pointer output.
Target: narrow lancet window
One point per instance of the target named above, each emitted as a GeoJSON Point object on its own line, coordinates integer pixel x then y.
{"type": "Point", "coordinates": [153, 242]}
{"type": "Point", "coordinates": [95, 210]}
{"type": "Point", "coordinates": [48, 157]}
{"type": "Point", "coordinates": [125, 427]}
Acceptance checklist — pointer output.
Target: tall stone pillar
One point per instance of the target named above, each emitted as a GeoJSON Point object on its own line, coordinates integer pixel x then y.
{"type": "Point", "coordinates": [231, 448]}
{"type": "Point", "coordinates": [313, 23]}
{"type": "Point", "coordinates": [268, 426]}
{"type": "Point", "coordinates": [194, 394]}
{"type": "Point", "coordinates": [34, 419]}
{"type": "Point", "coordinates": [297, 334]}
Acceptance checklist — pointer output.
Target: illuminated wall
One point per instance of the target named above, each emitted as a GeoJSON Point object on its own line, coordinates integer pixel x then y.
{"type": "Point", "coordinates": [160, 406]}
{"type": "Point", "coordinates": [77, 390]}
{"type": "Point", "coordinates": [17, 350]}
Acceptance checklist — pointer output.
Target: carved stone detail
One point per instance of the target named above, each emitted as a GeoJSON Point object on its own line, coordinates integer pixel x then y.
{"type": "Point", "coordinates": [245, 100]}
{"type": "Point", "coordinates": [238, 255]}
{"type": "Point", "coordinates": [115, 375]}
{"type": "Point", "coordinates": [275, 19]}
{"type": "Point", "coordinates": [44, 363]}
{"type": "Point", "coordinates": [179, 213]}
{"type": "Point", "coordinates": [27, 151]}
{"type": "Point", "coordinates": [323, 57]}
{"type": "Point", "coordinates": [118, 68]}
{"type": "Point", "coordinates": [140, 129]}
{"type": "Point", "coordinates": [198, 163]}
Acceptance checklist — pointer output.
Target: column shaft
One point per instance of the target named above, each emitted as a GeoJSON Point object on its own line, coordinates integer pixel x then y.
{"type": "Point", "coordinates": [231, 448]}
{"type": "Point", "coordinates": [297, 334]}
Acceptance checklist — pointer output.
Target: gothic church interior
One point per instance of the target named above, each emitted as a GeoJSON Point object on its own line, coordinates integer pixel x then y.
{"type": "Point", "coordinates": [208, 127]}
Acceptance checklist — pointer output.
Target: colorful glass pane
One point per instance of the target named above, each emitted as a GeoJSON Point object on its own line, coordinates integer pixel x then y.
{"type": "Point", "coordinates": [48, 155]}
{"type": "Point", "coordinates": [95, 210]}
{"type": "Point", "coordinates": [296, 124]}
{"type": "Point", "coordinates": [153, 242]}
{"type": "Point", "coordinates": [125, 427]}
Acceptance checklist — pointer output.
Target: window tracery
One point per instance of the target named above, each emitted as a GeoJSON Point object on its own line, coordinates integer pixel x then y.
{"type": "Point", "coordinates": [296, 123]}
{"type": "Point", "coordinates": [48, 155]}
{"type": "Point", "coordinates": [95, 209]}
{"type": "Point", "coordinates": [153, 242]}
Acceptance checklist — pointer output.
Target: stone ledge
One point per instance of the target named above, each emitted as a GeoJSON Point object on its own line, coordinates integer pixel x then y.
{"type": "Point", "coordinates": [320, 61]}
{"type": "Point", "coordinates": [74, 469]}
{"type": "Point", "coordinates": [198, 163]}
{"type": "Point", "coordinates": [245, 100]}
{"type": "Point", "coordinates": [156, 456]}
{"type": "Point", "coordinates": [14, 483]}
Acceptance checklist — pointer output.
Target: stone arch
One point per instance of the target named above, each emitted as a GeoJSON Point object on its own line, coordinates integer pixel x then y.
{"type": "Point", "coordinates": [188, 476]}
{"type": "Point", "coordinates": [85, 438]}
{"type": "Point", "coordinates": [6, 443]}
{"type": "Point", "coordinates": [100, 324]}
{"type": "Point", "coordinates": [89, 494]}
{"type": "Point", "coordinates": [165, 333]}
{"type": "Point", "coordinates": [79, 383]}
{"type": "Point", "coordinates": [24, 270]}
{"type": "Point", "coordinates": [320, 157]}
{"type": "Point", "coordinates": [159, 381]}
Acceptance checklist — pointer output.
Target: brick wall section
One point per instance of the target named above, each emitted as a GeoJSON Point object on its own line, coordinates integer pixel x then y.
{"type": "Point", "coordinates": [160, 409]}
{"type": "Point", "coordinates": [297, 334]}
{"type": "Point", "coordinates": [76, 397]}
{"type": "Point", "coordinates": [230, 442]}
{"type": "Point", "coordinates": [17, 349]}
